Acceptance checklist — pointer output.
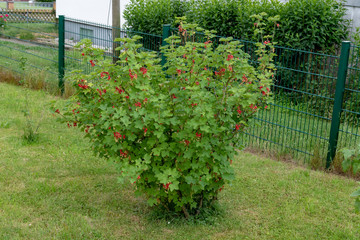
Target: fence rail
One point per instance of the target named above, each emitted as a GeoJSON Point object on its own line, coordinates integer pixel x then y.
{"type": "Point", "coordinates": [302, 121]}
{"type": "Point", "coordinates": [102, 37]}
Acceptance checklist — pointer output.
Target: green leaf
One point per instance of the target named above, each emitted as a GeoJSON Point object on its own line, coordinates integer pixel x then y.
{"type": "Point", "coordinates": [152, 201]}
{"type": "Point", "coordinates": [157, 151]}
{"type": "Point", "coordinates": [147, 158]}
{"type": "Point", "coordinates": [356, 193]}
{"type": "Point", "coordinates": [347, 153]}
{"type": "Point", "coordinates": [174, 185]}
{"type": "Point", "coordinates": [357, 205]}
{"type": "Point", "coordinates": [190, 180]}
{"type": "Point", "coordinates": [356, 166]}
{"type": "Point", "coordinates": [346, 164]}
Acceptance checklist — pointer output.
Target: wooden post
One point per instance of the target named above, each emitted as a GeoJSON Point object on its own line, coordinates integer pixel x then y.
{"type": "Point", "coordinates": [61, 53]}
{"type": "Point", "coordinates": [115, 28]}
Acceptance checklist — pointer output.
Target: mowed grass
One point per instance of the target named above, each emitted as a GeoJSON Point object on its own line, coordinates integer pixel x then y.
{"type": "Point", "coordinates": [56, 189]}
{"type": "Point", "coordinates": [39, 30]}
{"type": "Point", "coordinates": [36, 58]}
{"type": "Point", "coordinates": [41, 63]}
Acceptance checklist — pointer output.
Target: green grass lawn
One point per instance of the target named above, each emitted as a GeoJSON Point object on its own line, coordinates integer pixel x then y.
{"type": "Point", "coordinates": [43, 30]}
{"type": "Point", "coordinates": [56, 189]}
{"type": "Point", "coordinates": [41, 61]}
{"type": "Point", "coordinates": [43, 58]}
{"type": "Point", "coordinates": [38, 58]}
{"type": "Point", "coordinates": [22, 40]}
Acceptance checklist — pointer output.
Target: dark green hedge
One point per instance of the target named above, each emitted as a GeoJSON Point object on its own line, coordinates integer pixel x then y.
{"type": "Point", "coordinates": [317, 25]}
{"type": "Point", "coordinates": [313, 24]}
{"type": "Point", "coordinates": [149, 15]}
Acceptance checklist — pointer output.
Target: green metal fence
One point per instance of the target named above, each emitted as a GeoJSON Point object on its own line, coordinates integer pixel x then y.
{"type": "Point", "coordinates": [299, 121]}
{"type": "Point", "coordinates": [316, 107]}
{"type": "Point", "coordinates": [34, 44]}
{"type": "Point", "coordinates": [102, 37]}
{"type": "Point", "coordinates": [71, 31]}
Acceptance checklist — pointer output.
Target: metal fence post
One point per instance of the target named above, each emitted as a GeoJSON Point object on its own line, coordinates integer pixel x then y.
{"type": "Point", "coordinates": [61, 52]}
{"type": "Point", "coordinates": [165, 35]}
{"type": "Point", "coordinates": [338, 101]}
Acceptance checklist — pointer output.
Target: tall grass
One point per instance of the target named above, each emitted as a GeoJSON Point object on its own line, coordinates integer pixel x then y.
{"type": "Point", "coordinates": [39, 30]}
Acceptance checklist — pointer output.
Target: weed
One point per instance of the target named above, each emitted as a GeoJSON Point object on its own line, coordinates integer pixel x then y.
{"type": "Point", "coordinates": [9, 76]}
{"type": "Point", "coordinates": [336, 164]}
{"type": "Point", "coordinates": [31, 127]}
{"type": "Point", "coordinates": [4, 124]}
{"type": "Point", "coordinates": [26, 36]}
{"type": "Point", "coordinates": [69, 90]}
{"type": "Point", "coordinates": [316, 162]}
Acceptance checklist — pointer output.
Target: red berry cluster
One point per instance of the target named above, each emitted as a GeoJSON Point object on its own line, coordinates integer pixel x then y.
{"type": "Point", "coordinates": [143, 70]}
{"type": "Point", "coordinates": [166, 186]}
{"type": "Point", "coordinates": [221, 72]}
{"type": "Point", "coordinates": [105, 73]}
{"type": "Point", "coordinates": [117, 135]}
{"type": "Point", "coordinates": [132, 76]}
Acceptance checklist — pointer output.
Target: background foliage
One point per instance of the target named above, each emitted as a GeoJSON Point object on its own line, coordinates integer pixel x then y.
{"type": "Point", "coordinates": [317, 25]}
{"type": "Point", "coordinates": [150, 15]}
{"type": "Point", "coordinates": [231, 17]}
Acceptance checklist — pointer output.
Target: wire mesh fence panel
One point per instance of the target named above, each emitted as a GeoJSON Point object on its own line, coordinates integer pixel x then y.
{"type": "Point", "coordinates": [30, 50]}
{"type": "Point", "coordinates": [350, 121]}
{"type": "Point", "coordinates": [297, 122]}
{"type": "Point", "coordinates": [299, 119]}
{"type": "Point", "coordinates": [102, 38]}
